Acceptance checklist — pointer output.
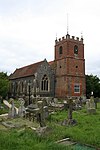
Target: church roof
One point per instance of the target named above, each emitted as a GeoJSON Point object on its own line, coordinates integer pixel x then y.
{"type": "Point", "coordinates": [51, 63]}
{"type": "Point", "coordinates": [25, 71]}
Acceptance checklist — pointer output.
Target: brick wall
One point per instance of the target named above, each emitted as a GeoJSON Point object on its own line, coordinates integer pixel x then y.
{"type": "Point", "coordinates": [70, 67]}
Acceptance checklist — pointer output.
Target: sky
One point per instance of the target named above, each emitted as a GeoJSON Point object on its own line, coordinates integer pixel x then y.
{"type": "Point", "coordinates": [28, 29]}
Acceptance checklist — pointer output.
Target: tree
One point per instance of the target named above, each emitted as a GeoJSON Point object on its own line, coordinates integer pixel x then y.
{"type": "Point", "coordinates": [92, 84]}
{"type": "Point", "coordinates": [4, 84]}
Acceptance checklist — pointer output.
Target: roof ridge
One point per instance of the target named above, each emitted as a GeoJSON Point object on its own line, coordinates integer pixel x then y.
{"type": "Point", "coordinates": [29, 65]}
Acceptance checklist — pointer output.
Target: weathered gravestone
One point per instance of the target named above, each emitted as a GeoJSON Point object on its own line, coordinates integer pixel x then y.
{"type": "Point", "coordinates": [91, 106]}
{"type": "Point", "coordinates": [38, 110]}
{"type": "Point", "coordinates": [12, 111]}
{"type": "Point", "coordinates": [70, 110]}
{"type": "Point", "coordinates": [41, 115]}
{"type": "Point", "coordinates": [21, 110]}
{"type": "Point", "coordinates": [70, 120]}
{"type": "Point", "coordinates": [96, 100]}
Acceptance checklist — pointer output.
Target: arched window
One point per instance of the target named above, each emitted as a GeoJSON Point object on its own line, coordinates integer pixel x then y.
{"type": "Point", "coordinates": [75, 49]}
{"type": "Point", "coordinates": [45, 83]}
{"type": "Point", "coordinates": [22, 86]}
{"type": "Point", "coordinates": [25, 87]}
{"type": "Point", "coordinates": [60, 50]}
{"type": "Point", "coordinates": [16, 87]}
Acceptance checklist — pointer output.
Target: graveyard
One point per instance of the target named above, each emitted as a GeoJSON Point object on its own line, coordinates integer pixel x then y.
{"type": "Point", "coordinates": [50, 124]}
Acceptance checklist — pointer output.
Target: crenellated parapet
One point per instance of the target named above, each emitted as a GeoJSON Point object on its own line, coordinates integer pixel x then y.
{"type": "Point", "coordinates": [69, 38]}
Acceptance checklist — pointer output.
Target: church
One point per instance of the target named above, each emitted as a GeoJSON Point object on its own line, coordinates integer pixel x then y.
{"type": "Point", "coordinates": [63, 77]}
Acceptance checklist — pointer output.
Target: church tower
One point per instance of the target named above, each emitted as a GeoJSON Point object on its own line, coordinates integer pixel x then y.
{"type": "Point", "coordinates": [69, 67]}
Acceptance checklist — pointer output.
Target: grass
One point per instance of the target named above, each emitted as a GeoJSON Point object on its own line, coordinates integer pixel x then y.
{"type": "Point", "coordinates": [87, 131]}
{"type": "Point", "coordinates": [26, 140]}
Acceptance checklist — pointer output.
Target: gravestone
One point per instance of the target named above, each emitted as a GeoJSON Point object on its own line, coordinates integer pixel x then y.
{"type": "Point", "coordinates": [21, 110]}
{"type": "Point", "coordinates": [91, 106]}
{"type": "Point", "coordinates": [38, 110]}
{"type": "Point", "coordinates": [96, 100]}
{"type": "Point", "coordinates": [65, 105]}
{"type": "Point", "coordinates": [55, 100]}
{"type": "Point", "coordinates": [41, 117]}
{"type": "Point", "coordinates": [12, 111]}
{"type": "Point", "coordinates": [70, 109]}
{"type": "Point", "coordinates": [70, 120]}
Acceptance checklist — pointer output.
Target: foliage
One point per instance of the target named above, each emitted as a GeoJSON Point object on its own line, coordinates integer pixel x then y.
{"type": "Point", "coordinates": [92, 84]}
{"type": "Point", "coordinates": [4, 84]}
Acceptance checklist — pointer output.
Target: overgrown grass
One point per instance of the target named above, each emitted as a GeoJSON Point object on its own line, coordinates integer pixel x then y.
{"type": "Point", "coordinates": [87, 131]}
{"type": "Point", "coordinates": [3, 109]}
{"type": "Point", "coordinates": [27, 140]}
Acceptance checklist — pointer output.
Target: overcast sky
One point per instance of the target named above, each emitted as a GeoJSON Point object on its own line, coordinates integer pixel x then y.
{"type": "Point", "coordinates": [28, 30]}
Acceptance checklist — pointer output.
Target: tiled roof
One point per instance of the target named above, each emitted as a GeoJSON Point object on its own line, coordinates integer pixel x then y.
{"type": "Point", "coordinates": [25, 71]}
{"type": "Point", "coordinates": [51, 63]}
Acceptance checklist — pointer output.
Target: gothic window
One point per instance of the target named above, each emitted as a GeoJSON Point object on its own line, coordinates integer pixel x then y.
{"type": "Point", "coordinates": [16, 86]}
{"type": "Point", "coordinates": [13, 85]}
{"type": "Point", "coordinates": [45, 83]}
{"type": "Point", "coordinates": [19, 87]}
{"type": "Point", "coordinates": [76, 88]}
{"type": "Point", "coordinates": [60, 50]}
{"type": "Point", "coordinates": [75, 49]}
{"type": "Point", "coordinates": [22, 86]}
{"type": "Point", "coordinates": [25, 87]}
{"type": "Point", "coordinates": [29, 86]}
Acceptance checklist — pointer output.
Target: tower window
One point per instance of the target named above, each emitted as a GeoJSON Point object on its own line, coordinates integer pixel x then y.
{"type": "Point", "coordinates": [60, 50]}
{"type": "Point", "coordinates": [75, 49]}
{"type": "Point", "coordinates": [76, 88]}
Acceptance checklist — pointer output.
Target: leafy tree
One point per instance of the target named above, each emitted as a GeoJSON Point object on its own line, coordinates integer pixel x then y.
{"type": "Point", "coordinates": [92, 84]}
{"type": "Point", "coordinates": [4, 84]}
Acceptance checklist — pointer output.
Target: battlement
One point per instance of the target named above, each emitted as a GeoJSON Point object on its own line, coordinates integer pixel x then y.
{"type": "Point", "coordinates": [67, 37]}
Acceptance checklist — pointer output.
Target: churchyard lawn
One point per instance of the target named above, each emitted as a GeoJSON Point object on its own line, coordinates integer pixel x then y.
{"type": "Point", "coordinates": [86, 131]}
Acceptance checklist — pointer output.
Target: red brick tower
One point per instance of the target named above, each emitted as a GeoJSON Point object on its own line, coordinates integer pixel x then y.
{"type": "Point", "coordinates": [70, 67]}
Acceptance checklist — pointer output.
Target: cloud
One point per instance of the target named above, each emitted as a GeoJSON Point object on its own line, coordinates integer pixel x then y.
{"type": "Point", "coordinates": [28, 30]}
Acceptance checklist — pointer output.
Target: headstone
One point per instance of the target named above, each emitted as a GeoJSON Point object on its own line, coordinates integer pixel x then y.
{"type": "Point", "coordinates": [70, 120]}
{"type": "Point", "coordinates": [96, 100]}
{"type": "Point", "coordinates": [41, 116]}
{"type": "Point", "coordinates": [21, 110]}
{"type": "Point", "coordinates": [46, 112]}
{"type": "Point", "coordinates": [12, 110]}
{"type": "Point", "coordinates": [70, 109]}
{"type": "Point", "coordinates": [55, 100]}
{"type": "Point", "coordinates": [49, 100]}
{"type": "Point", "coordinates": [91, 106]}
